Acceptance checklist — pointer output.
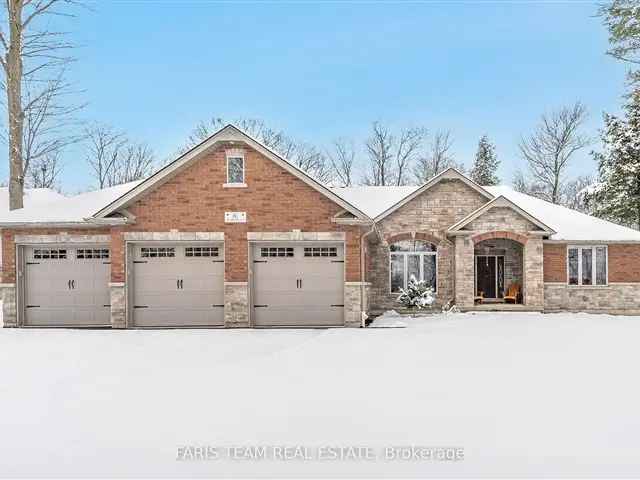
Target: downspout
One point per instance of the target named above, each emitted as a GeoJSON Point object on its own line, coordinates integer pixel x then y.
{"type": "Point", "coordinates": [363, 289]}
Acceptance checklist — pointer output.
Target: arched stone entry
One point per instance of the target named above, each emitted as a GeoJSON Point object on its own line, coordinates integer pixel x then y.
{"type": "Point", "coordinates": [499, 270]}
{"type": "Point", "coordinates": [465, 265]}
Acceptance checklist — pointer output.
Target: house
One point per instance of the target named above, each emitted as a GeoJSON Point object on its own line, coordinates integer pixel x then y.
{"type": "Point", "coordinates": [230, 234]}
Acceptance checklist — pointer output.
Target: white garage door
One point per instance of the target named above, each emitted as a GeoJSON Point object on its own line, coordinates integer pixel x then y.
{"type": "Point", "coordinates": [67, 286]}
{"type": "Point", "coordinates": [298, 285]}
{"type": "Point", "coordinates": [178, 285]}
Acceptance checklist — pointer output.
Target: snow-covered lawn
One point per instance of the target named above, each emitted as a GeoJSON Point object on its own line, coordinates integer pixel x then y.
{"type": "Point", "coordinates": [523, 394]}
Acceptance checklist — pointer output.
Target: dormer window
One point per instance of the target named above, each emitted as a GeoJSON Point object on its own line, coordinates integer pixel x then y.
{"type": "Point", "coordinates": [235, 169]}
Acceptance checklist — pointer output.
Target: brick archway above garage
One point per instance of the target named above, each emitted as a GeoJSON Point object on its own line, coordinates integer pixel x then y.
{"type": "Point", "coordinates": [516, 237]}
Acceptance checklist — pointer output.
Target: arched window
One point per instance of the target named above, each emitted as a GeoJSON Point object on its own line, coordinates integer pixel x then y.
{"type": "Point", "coordinates": [412, 258]}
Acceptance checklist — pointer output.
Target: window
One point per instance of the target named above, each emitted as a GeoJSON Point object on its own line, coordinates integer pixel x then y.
{"type": "Point", "coordinates": [88, 253]}
{"type": "Point", "coordinates": [201, 252]}
{"type": "Point", "coordinates": [49, 254]}
{"type": "Point", "coordinates": [276, 252]}
{"type": "Point", "coordinates": [587, 265]}
{"type": "Point", "coordinates": [320, 251]}
{"type": "Point", "coordinates": [412, 258]}
{"type": "Point", "coordinates": [235, 170]}
{"type": "Point", "coordinates": [155, 252]}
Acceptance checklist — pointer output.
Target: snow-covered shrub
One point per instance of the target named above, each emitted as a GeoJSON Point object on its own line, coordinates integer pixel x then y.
{"type": "Point", "coordinates": [450, 307]}
{"type": "Point", "coordinates": [417, 295]}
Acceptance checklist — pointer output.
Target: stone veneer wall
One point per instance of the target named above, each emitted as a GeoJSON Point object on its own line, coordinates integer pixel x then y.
{"type": "Point", "coordinates": [353, 306]}
{"type": "Point", "coordinates": [236, 304]}
{"type": "Point", "coordinates": [9, 310]}
{"type": "Point", "coordinates": [613, 298]}
{"type": "Point", "coordinates": [118, 295]}
{"type": "Point", "coordinates": [427, 216]}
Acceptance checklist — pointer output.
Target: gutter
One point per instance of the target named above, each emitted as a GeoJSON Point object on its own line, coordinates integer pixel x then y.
{"type": "Point", "coordinates": [85, 223]}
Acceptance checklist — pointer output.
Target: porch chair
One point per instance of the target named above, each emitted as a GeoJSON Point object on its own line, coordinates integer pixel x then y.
{"type": "Point", "coordinates": [513, 292]}
{"type": "Point", "coordinates": [478, 299]}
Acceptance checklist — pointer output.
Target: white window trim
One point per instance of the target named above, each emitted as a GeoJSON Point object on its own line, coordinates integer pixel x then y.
{"type": "Point", "coordinates": [406, 270]}
{"type": "Point", "coordinates": [593, 265]}
{"type": "Point", "coordinates": [241, 184]}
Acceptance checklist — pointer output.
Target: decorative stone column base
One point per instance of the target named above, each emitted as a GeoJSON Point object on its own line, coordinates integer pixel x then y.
{"type": "Point", "coordinates": [118, 296]}
{"type": "Point", "coordinates": [355, 303]}
{"type": "Point", "coordinates": [9, 308]}
{"type": "Point", "coordinates": [236, 305]}
{"type": "Point", "coordinates": [464, 276]}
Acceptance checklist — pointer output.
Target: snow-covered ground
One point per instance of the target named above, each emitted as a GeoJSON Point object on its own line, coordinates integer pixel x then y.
{"type": "Point", "coordinates": [522, 394]}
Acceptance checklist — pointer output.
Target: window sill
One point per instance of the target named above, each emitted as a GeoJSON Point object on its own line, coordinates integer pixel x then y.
{"type": "Point", "coordinates": [234, 185]}
{"type": "Point", "coordinates": [587, 287]}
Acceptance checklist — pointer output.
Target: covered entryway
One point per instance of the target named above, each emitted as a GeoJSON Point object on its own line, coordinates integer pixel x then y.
{"type": "Point", "coordinates": [66, 286]}
{"type": "Point", "coordinates": [298, 285]}
{"type": "Point", "coordinates": [499, 271]}
{"type": "Point", "coordinates": [177, 285]}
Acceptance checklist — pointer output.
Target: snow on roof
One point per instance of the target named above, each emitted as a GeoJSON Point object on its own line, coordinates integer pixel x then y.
{"type": "Point", "coordinates": [569, 224]}
{"type": "Point", "coordinates": [374, 200]}
{"type": "Point", "coordinates": [32, 198]}
{"type": "Point", "coordinates": [67, 209]}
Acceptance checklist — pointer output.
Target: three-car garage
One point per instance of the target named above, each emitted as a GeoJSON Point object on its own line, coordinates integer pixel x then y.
{"type": "Point", "coordinates": [181, 284]}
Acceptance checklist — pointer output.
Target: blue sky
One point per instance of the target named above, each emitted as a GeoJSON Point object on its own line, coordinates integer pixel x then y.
{"type": "Point", "coordinates": [320, 70]}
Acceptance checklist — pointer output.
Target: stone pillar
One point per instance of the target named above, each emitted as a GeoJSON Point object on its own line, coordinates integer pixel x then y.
{"type": "Point", "coordinates": [355, 303]}
{"type": "Point", "coordinates": [236, 304]}
{"type": "Point", "coordinates": [464, 273]}
{"type": "Point", "coordinates": [9, 306]}
{"type": "Point", "coordinates": [118, 296]}
{"type": "Point", "coordinates": [533, 273]}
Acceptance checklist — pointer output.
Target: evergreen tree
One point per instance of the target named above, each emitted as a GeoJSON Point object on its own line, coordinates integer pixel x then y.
{"type": "Point", "coordinates": [616, 196]}
{"type": "Point", "coordinates": [485, 166]}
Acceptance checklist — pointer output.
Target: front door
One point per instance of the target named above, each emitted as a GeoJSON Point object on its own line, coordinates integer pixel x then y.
{"type": "Point", "coordinates": [490, 276]}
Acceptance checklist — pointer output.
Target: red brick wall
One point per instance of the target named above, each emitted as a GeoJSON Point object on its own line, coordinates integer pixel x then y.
{"type": "Point", "coordinates": [555, 262]}
{"type": "Point", "coordinates": [624, 263]}
{"type": "Point", "coordinates": [275, 201]}
{"type": "Point", "coordinates": [9, 246]}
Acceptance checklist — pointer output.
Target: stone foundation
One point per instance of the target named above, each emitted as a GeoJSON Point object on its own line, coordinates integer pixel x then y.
{"type": "Point", "coordinates": [117, 292]}
{"type": "Point", "coordinates": [619, 298]}
{"type": "Point", "coordinates": [354, 294]}
{"type": "Point", "coordinates": [9, 307]}
{"type": "Point", "coordinates": [236, 305]}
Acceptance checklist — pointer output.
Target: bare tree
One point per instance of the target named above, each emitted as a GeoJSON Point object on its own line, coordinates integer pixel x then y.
{"type": "Point", "coordinates": [303, 155]}
{"type": "Point", "coordinates": [114, 159]}
{"type": "Point", "coordinates": [44, 171]}
{"type": "Point", "coordinates": [390, 156]}
{"type": "Point", "coordinates": [103, 148]}
{"type": "Point", "coordinates": [33, 60]}
{"type": "Point", "coordinates": [437, 158]}
{"type": "Point", "coordinates": [549, 149]}
{"type": "Point", "coordinates": [134, 161]}
{"type": "Point", "coordinates": [342, 158]}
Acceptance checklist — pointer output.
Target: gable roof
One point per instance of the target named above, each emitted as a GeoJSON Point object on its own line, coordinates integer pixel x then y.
{"type": "Point", "coordinates": [499, 201]}
{"type": "Point", "coordinates": [229, 133]}
{"type": "Point", "coordinates": [448, 174]}
{"type": "Point", "coordinates": [569, 225]}
{"type": "Point", "coordinates": [373, 200]}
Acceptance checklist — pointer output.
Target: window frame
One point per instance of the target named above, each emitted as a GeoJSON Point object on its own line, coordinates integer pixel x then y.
{"type": "Point", "coordinates": [594, 266]}
{"type": "Point", "coordinates": [236, 156]}
{"type": "Point", "coordinates": [406, 269]}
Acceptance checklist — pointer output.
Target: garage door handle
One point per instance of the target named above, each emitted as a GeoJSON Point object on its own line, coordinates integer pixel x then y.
{"type": "Point", "coordinates": [69, 284]}
{"type": "Point", "coordinates": [73, 284]}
